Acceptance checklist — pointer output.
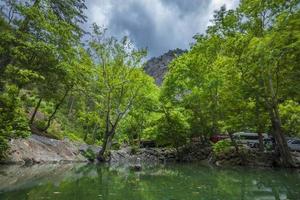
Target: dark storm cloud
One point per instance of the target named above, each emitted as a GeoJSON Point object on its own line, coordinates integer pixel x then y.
{"type": "Point", "coordinates": [159, 25]}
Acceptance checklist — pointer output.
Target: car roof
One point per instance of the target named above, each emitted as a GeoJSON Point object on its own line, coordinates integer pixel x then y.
{"type": "Point", "coordinates": [248, 134]}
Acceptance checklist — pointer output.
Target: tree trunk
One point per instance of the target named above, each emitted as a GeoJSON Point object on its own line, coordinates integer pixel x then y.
{"type": "Point", "coordinates": [261, 142]}
{"type": "Point", "coordinates": [35, 111]}
{"type": "Point", "coordinates": [281, 143]}
{"type": "Point", "coordinates": [85, 135]}
{"type": "Point", "coordinates": [259, 126]}
{"type": "Point", "coordinates": [94, 132]}
{"type": "Point", "coordinates": [55, 110]}
{"type": "Point", "coordinates": [107, 142]}
{"type": "Point", "coordinates": [101, 156]}
{"type": "Point", "coordinates": [71, 106]}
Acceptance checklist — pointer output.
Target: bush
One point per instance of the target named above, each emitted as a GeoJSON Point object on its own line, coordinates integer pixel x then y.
{"type": "Point", "coordinates": [221, 146]}
{"type": "Point", "coordinates": [134, 149]}
{"type": "Point", "coordinates": [89, 154]}
{"type": "Point", "coordinates": [13, 121]}
{"type": "Point", "coordinates": [173, 128]}
{"type": "Point", "coordinates": [290, 116]}
{"type": "Point", "coordinates": [40, 124]}
{"type": "Point", "coordinates": [72, 136]}
{"type": "Point", "coordinates": [54, 131]}
{"type": "Point", "coordinates": [3, 147]}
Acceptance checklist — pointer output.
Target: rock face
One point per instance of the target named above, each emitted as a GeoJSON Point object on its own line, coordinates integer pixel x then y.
{"type": "Point", "coordinates": [158, 66]}
{"type": "Point", "coordinates": [39, 149]}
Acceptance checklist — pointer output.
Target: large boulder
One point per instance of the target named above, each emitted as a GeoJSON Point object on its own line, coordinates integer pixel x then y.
{"type": "Point", "coordinates": [39, 149]}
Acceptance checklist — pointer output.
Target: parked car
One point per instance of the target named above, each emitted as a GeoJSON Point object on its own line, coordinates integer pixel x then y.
{"type": "Point", "coordinates": [294, 145]}
{"type": "Point", "coordinates": [249, 139]}
{"type": "Point", "coordinates": [218, 137]}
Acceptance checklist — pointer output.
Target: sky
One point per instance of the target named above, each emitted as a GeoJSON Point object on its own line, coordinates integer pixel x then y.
{"type": "Point", "coordinates": [158, 25]}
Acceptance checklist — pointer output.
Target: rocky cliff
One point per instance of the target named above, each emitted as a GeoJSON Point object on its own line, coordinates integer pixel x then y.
{"type": "Point", "coordinates": [158, 66]}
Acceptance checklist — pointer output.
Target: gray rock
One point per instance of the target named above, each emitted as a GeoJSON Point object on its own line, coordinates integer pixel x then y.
{"type": "Point", "coordinates": [245, 158]}
{"type": "Point", "coordinates": [39, 149]}
{"type": "Point", "coordinates": [154, 156]}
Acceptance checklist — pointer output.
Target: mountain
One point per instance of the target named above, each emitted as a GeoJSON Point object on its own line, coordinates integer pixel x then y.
{"type": "Point", "coordinates": [158, 66]}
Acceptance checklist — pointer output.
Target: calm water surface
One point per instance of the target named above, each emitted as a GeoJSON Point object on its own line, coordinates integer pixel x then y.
{"type": "Point", "coordinates": [171, 182]}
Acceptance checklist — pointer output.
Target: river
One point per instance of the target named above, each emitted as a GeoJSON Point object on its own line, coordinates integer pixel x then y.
{"type": "Point", "coordinates": [163, 182]}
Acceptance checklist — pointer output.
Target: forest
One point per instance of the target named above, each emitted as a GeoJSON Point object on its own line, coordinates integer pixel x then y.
{"type": "Point", "coordinates": [61, 81]}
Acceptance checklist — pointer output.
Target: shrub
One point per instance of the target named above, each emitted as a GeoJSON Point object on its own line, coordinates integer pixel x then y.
{"type": "Point", "coordinates": [134, 149]}
{"type": "Point", "coordinates": [72, 136]}
{"type": "Point", "coordinates": [89, 154]}
{"type": "Point", "coordinates": [13, 121]}
{"type": "Point", "coordinates": [3, 147]}
{"type": "Point", "coordinates": [221, 146]}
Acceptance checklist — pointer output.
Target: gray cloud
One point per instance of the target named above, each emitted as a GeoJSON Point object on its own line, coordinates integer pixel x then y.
{"type": "Point", "coordinates": [159, 25]}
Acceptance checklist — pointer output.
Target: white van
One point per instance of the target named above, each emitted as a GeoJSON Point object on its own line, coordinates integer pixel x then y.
{"type": "Point", "coordinates": [250, 139]}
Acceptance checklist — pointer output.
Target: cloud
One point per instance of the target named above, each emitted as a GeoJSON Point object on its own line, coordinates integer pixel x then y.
{"type": "Point", "coordinates": [159, 25]}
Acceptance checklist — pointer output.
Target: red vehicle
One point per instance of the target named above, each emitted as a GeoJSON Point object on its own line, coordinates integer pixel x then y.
{"type": "Point", "coordinates": [218, 137]}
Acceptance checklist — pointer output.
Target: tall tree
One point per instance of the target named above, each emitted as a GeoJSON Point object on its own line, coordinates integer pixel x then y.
{"type": "Point", "coordinates": [119, 81]}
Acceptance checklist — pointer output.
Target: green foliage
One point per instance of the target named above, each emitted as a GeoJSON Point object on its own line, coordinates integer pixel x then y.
{"type": "Point", "coordinates": [236, 74]}
{"type": "Point", "coordinates": [13, 121]}
{"type": "Point", "coordinates": [290, 112]}
{"type": "Point", "coordinates": [172, 128]}
{"type": "Point", "coordinates": [134, 149]}
{"type": "Point", "coordinates": [222, 146]}
{"type": "Point", "coordinates": [89, 154]}
{"type": "Point", "coordinates": [40, 51]}
{"type": "Point", "coordinates": [3, 147]}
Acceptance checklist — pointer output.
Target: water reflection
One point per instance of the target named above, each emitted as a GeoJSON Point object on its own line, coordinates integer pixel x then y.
{"type": "Point", "coordinates": [159, 182]}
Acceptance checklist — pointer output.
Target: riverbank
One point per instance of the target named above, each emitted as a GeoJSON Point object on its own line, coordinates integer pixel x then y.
{"type": "Point", "coordinates": [38, 149]}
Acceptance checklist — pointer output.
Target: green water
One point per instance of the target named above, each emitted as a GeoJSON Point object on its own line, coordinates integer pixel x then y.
{"type": "Point", "coordinates": [171, 182]}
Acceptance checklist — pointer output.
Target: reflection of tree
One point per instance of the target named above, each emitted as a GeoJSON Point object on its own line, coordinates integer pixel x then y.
{"type": "Point", "coordinates": [190, 182]}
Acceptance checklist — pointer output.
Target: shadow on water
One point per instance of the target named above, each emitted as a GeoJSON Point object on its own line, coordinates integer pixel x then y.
{"type": "Point", "coordinates": [170, 182]}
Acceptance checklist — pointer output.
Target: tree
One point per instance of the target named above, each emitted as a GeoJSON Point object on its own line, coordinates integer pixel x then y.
{"type": "Point", "coordinates": [240, 71]}
{"type": "Point", "coordinates": [172, 127]}
{"type": "Point", "coordinates": [119, 82]}
{"type": "Point", "coordinates": [270, 59]}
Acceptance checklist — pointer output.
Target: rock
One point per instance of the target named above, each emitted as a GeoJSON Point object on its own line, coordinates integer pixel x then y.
{"type": "Point", "coordinates": [39, 149]}
{"type": "Point", "coordinates": [296, 157]}
{"type": "Point", "coordinates": [194, 152]}
{"type": "Point", "coordinates": [158, 66]}
{"type": "Point", "coordinates": [153, 156]}
{"type": "Point", "coordinates": [245, 158]}
{"type": "Point", "coordinates": [85, 147]}
{"type": "Point", "coordinates": [137, 166]}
